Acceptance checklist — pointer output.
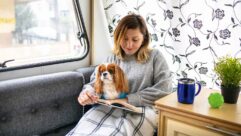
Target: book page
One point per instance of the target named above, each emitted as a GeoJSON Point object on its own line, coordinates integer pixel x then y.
{"type": "Point", "coordinates": [120, 105]}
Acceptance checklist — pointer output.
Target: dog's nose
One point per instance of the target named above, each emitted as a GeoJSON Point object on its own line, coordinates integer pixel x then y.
{"type": "Point", "coordinates": [104, 74]}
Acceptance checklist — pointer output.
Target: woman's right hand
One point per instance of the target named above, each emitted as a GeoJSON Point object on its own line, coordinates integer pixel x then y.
{"type": "Point", "coordinates": [87, 98]}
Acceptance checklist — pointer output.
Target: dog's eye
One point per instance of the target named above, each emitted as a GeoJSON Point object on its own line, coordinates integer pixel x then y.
{"type": "Point", "coordinates": [111, 71]}
{"type": "Point", "coordinates": [101, 71]}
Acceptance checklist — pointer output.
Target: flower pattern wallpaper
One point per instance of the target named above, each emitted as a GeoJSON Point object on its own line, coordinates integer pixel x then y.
{"type": "Point", "coordinates": [191, 34]}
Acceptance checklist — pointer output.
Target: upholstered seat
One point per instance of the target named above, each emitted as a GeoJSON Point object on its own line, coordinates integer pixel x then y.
{"type": "Point", "coordinates": [42, 105]}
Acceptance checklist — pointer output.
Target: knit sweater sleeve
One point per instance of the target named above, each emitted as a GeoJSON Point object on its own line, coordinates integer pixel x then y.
{"type": "Point", "coordinates": [162, 84]}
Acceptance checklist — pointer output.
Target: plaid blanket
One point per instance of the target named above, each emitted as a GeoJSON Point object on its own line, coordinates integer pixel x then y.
{"type": "Point", "coordinates": [105, 121]}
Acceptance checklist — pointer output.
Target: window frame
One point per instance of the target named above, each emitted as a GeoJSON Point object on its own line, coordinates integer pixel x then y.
{"type": "Point", "coordinates": [81, 35]}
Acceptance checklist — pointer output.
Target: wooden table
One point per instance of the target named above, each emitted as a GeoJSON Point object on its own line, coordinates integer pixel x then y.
{"type": "Point", "coordinates": [197, 119]}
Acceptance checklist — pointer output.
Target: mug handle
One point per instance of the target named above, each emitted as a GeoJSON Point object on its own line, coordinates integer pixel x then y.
{"type": "Point", "coordinates": [199, 88]}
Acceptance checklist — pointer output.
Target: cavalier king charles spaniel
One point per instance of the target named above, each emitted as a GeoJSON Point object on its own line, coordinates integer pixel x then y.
{"type": "Point", "coordinates": [111, 82]}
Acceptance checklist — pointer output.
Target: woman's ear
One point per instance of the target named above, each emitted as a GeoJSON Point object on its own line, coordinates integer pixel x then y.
{"type": "Point", "coordinates": [121, 82]}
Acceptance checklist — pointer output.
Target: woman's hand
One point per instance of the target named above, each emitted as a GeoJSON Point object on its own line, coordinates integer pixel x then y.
{"type": "Point", "coordinates": [87, 98]}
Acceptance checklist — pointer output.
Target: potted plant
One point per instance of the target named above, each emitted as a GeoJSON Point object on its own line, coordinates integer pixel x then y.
{"type": "Point", "coordinates": [228, 70]}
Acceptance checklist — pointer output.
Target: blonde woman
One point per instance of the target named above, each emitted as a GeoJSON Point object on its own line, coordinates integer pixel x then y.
{"type": "Point", "coordinates": [149, 79]}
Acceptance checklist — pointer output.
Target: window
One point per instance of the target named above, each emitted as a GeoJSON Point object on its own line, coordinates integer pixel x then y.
{"type": "Point", "coordinates": [41, 32]}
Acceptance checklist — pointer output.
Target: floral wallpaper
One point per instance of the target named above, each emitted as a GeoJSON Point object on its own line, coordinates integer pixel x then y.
{"type": "Point", "coordinates": [191, 34]}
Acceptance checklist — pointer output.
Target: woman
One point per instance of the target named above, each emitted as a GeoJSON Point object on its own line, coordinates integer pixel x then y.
{"type": "Point", "coordinates": [149, 79]}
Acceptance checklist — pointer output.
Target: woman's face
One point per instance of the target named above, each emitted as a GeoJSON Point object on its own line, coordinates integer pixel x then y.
{"type": "Point", "coordinates": [132, 41]}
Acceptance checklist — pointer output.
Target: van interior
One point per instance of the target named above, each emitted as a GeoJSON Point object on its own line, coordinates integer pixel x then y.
{"type": "Point", "coordinates": [50, 48]}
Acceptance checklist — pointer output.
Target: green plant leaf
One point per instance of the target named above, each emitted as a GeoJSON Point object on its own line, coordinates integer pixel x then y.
{"type": "Point", "coordinates": [228, 70]}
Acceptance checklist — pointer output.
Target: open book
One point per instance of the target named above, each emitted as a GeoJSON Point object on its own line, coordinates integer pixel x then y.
{"type": "Point", "coordinates": [120, 105]}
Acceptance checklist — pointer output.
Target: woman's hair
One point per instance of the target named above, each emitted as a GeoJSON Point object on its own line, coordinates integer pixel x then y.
{"type": "Point", "coordinates": [132, 21]}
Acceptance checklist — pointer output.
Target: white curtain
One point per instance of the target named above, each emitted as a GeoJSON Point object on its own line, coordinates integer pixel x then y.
{"type": "Point", "coordinates": [100, 34]}
{"type": "Point", "coordinates": [191, 34]}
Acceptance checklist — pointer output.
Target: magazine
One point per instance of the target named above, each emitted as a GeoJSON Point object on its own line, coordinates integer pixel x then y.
{"type": "Point", "coordinates": [120, 105]}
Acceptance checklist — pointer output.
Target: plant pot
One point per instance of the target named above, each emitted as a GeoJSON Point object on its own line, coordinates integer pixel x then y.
{"type": "Point", "coordinates": [230, 94]}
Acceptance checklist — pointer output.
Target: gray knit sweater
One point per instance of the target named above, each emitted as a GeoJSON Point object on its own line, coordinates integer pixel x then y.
{"type": "Point", "coordinates": [147, 81]}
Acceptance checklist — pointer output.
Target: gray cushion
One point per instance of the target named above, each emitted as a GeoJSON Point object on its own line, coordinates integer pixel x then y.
{"type": "Point", "coordinates": [87, 72]}
{"type": "Point", "coordinates": [38, 104]}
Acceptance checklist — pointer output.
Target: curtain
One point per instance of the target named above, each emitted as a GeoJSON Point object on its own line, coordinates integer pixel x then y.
{"type": "Point", "coordinates": [192, 34]}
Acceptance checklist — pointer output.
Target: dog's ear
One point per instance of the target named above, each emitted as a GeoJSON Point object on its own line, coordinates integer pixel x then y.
{"type": "Point", "coordinates": [98, 83]}
{"type": "Point", "coordinates": [121, 82]}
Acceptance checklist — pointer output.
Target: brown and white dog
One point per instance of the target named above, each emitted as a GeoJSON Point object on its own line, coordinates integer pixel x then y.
{"type": "Point", "coordinates": [110, 82]}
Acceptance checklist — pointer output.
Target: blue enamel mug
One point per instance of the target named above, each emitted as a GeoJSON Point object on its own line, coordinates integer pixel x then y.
{"type": "Point", "coordinates": [186, 90]}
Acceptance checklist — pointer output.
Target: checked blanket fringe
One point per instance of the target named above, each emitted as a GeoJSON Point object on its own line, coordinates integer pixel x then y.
{"type": "Point", "coordinates": [105, 121]}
